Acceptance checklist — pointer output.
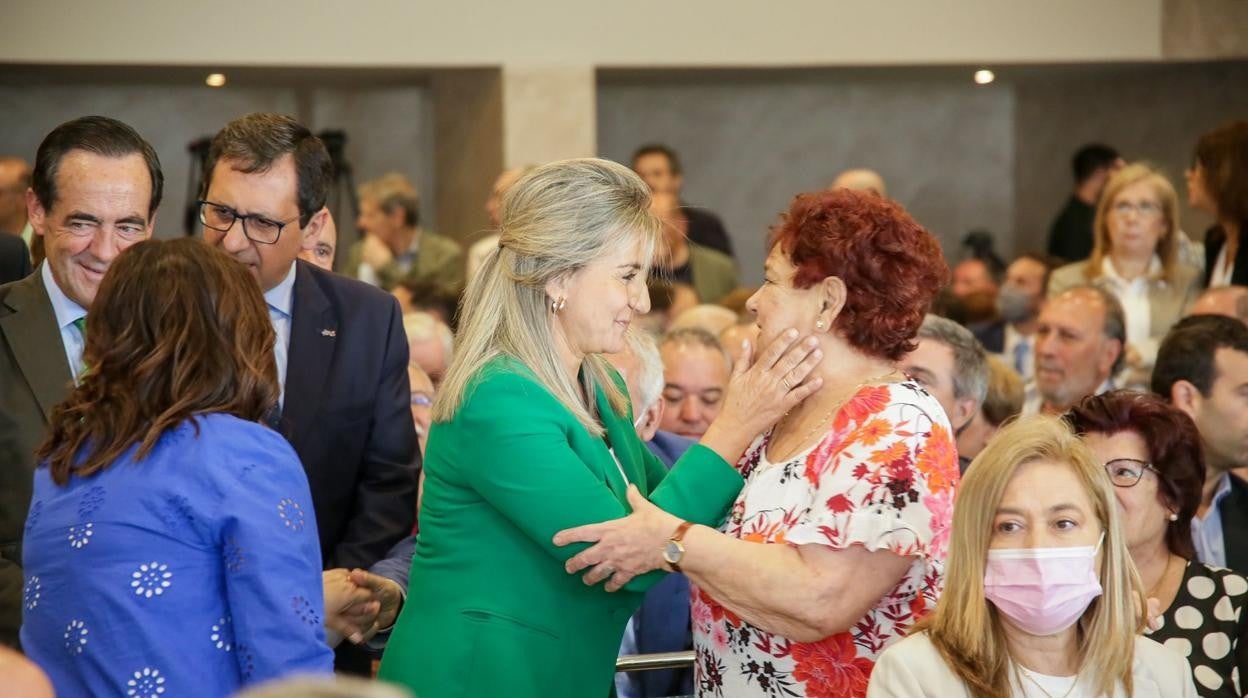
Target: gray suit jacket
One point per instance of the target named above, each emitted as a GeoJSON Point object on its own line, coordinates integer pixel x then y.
{"type": "Point", "coordinates": [34, 377]}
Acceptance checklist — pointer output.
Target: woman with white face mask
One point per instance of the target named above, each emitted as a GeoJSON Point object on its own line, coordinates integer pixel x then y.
{"type": "Point", "coordinates": [1041, 599]}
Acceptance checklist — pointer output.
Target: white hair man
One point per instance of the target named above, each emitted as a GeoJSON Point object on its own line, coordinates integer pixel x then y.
{"type": "Point", "coordinates": [662, 622]}
{"type": "Point", "coordinates": [429, 344]}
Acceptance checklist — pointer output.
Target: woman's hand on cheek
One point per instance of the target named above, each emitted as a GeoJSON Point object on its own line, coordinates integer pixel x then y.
{"type": "Point", "coordinates": [622, 548]}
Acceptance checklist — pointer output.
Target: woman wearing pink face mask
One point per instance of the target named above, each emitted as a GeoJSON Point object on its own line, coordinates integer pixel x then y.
{"type": "Point", "coordinates": [1041, 598]}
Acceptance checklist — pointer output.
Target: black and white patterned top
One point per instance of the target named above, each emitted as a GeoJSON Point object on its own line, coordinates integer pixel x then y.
{"type": "Point", "coordinates": [1207, 624]}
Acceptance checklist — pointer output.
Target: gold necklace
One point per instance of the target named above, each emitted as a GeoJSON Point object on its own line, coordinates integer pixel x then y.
{"type": "Point", "coordinates": [1152, 593]}
{"type": "Point", "coordinates": [823, 420]}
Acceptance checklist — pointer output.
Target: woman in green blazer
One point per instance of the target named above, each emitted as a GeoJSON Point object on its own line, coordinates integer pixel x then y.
{"type": "Point", "coordinates": [533, 434]}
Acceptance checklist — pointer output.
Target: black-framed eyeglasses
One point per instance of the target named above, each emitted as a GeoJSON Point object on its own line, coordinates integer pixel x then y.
{"type": "Point", "coordinates": [1126, 472]}
{"type": "Point", "coordinates": [257, 228]}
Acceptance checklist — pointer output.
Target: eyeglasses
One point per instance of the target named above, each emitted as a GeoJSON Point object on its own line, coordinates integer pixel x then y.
{"type": "Point", "coordinates": [1126, 472]}
{"type": "Point", "coordinates": [257, 228]}
{"type": "Point", "coordinates": [1145, 209]}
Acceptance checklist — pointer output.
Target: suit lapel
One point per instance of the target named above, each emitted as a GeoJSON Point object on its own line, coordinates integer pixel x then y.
{"type": "Point", "coordinates": [618, 433]}
{"type": "Point", "coordinates": [313, 333]}
{"type": "Point", "coordinates": [1234, 513]}
{"type": "Point", "coordinates": [31, 331]}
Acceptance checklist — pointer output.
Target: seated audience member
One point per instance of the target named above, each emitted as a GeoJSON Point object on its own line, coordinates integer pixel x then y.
{"type": "Point", "coordinates": [951, 365]}
{"type": "Point", "coordinates": [659, 167]}
{"type": "Point", "coordinates": [662, 622]}
{"type": "Point", "coordinates": [847, 498]}
{"type": "Point", "coordinates": [22, 678]}
{"type": "Point", "coordinates": [15, 179]}
{"type": "Point", "coordinates": [143, 573]}
{"type": "Point", "coordinates": [1079, 348]}
{"type": "Point", "coordinates": [1040, 596]}
{"type": "Point", "coordinates": [395, 247]}
{"type": "Point", "coordinates": [429, 344]}
{"type": "Point", "coordinates": [1136, 257]}
{"type": "Point", "coordinates": [428, 297]}
{"type": "Point", "coordinates": [326, 245]}
{"type": "Point", "coordinates": [1231, 301]}
{"type": "Point", "coordinates": [1218, 183]}
{"type": "Point", "coordinates": [1152, 453]}
{"type": "Point", "coordinates": [678, 259]}
{"type": "Point", "coordinates": [423, 392]}
{"type": "Point", "coordinates": [860, 180]}
{"type": "Point", "coordinates": [1202, 369]}
{"type": "Point", "coordinates": [708, 316]}
{"type": "Point", "coordinates": [1004, 400]}
{"type": "Point", "coordinates": [14, 259]}
{"type": "Point", "coordinates": [733, 339]}
{"type": "Point", "coordinates": [1070, 235]}
{"type": "Point", "coordinates": [695, 375]}
{"type": "Point", "coordinates": [483, 247]}
{"type": "Point", "coordinates": [972, 276]}
{"type": "Point", "coordinates": [1012, 335]}
{"type": "Point", "coordinates": [736, 300]}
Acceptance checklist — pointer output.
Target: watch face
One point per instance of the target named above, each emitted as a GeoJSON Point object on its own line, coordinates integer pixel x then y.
{"type": "Point", "coordinates": [672, 552]}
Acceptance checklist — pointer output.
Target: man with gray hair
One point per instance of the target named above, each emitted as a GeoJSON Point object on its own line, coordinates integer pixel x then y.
{"type": "Point", "coordinates": [395, 246]}
{"type": "Point", "coordinates": [429, 344]}
{"type": "Point", "coordinates": [662, 622]}
{"type": "Point", "coordinates": [953, 366]}
{"type": "Point", "coordinates": [1080, 337]}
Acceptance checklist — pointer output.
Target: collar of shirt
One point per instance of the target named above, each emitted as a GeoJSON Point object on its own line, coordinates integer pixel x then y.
{"type": "Point", "coordinates": [67, 311]}
{"type": "Point", "coordinates": [282, 296]}
{"type": "Point", "coordinates": [412, 249]}
{"type": "Point", "coordinates": [1111, 274]}
{"type": "Point", "coordinates": [1224, 489]}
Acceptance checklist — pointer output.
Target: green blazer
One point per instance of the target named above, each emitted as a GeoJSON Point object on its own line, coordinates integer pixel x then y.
{"type": "Point", "coordinates": [490, 611]}
{"type": "Point", "coordinates": [439, 259]}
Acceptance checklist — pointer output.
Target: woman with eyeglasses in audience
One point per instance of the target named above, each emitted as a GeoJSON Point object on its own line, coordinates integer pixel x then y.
{"type": "Point", "coordinates": [171, 547]}
{"type": "Point", "coordinates": [1152, 453]}
{"type": "Point", "coordinates": [836, 544]}
{"type": "Point", "coordinates": [1041, 599]}
{"type": "Point", "coordinates": [1136, 257]}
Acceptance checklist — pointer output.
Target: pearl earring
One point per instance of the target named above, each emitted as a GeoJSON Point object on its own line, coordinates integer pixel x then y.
{"type": "Point", "coordinates": [818, 324]}
{"type": "Point", "coordinates": [1174, 517]}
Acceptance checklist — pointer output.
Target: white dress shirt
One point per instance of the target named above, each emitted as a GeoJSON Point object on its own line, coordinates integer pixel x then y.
{"type": "Point", "coordinates": [67, 312]}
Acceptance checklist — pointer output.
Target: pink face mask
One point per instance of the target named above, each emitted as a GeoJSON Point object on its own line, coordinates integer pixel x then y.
{"type": "Point", "coordinates": [1043, 590]}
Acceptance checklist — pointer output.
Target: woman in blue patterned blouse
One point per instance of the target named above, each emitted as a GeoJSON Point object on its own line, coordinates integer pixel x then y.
{"type": "Point", "coordinates": [171, 547]}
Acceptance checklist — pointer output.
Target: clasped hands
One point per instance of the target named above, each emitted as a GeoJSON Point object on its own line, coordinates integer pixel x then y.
{"type": "Point", "coordinates": [359, 604]}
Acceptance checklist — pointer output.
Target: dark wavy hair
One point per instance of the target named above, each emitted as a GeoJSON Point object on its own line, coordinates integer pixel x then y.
{"type": "Point", "coordinates": [892, 267]}
{"type": "Point", "coordinates": [177, 330]}
{"type": "Point", "coordinates": [1174, 449]}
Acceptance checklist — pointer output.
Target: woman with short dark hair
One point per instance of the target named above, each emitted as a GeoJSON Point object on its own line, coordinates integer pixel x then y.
{"type": "Point", "coordinates": [171, 547]}
{"type": "Point", "coordinates": [1152, 453]}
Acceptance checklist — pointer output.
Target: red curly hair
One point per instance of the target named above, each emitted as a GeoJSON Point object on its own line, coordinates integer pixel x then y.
{"type": "Point", "coordinates": [892, 267]}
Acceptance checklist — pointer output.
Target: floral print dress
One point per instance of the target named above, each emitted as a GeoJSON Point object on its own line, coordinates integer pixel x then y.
{"type": "Point", "coordinates": [883, 477]}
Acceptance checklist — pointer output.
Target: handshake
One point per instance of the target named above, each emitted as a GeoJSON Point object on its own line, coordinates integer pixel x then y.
{"type": "Point", "coordinates": [358, 605]}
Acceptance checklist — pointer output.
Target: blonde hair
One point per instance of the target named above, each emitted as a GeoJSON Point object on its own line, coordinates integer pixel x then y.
{"type": "Point", "coordinates": [1167, 246]}
{"type": "Point", "coordinates": [965, 627]}
{"type": "Point", "coordinates": [554, 221]}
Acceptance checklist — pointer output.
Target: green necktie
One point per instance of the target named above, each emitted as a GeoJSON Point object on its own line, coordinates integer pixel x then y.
{"type": "Point", "coordinates": [81, 324]}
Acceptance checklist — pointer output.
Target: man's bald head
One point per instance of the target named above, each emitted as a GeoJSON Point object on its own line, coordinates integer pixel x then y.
{"type": "Point", "coordinates": [1231, 301]}
{"type": "Point", "coordinates": [862, 180]}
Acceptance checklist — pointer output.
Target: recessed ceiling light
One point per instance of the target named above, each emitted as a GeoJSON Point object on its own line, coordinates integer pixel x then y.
{"type": "Point", "coordinates": [215, 80]}
{"type": "Point", "coordinates": [983, 77]}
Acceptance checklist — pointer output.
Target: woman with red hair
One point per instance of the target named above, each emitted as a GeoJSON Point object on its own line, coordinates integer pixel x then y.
{"type": "Point", "coordinates": [835, 545]}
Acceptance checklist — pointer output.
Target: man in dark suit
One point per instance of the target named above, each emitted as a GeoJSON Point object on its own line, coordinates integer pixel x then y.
{"type": "Point", "coordinates": [94, 192]}
{"type": "Point", "coordinates": [14, 258]}
{"type": "Point", "coordinates": [1202, 369]}
{"type": "Point", "coordinates": [341, 352]}
{"type": "Point", "coordinates": [1070, 235]}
